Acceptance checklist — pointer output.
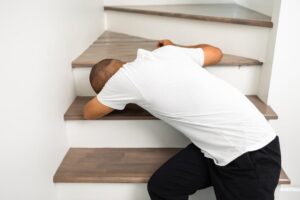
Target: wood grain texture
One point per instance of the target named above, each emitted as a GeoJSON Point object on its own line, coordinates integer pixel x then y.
{"type": "Point", "coordinates": [131, 112]}
{"type": "Point", "coordinates": [284, 179]}
{"type": "Point", "coordinates": [111, 165]}
{"type": "Point", "coordinates": [134, 112]}
{"type": "Point", "coordinates": [224, 13]}
{"type": "Point", "coordinates": [124, 47]}
{"type": "Point", "coordinates": [116, 165]}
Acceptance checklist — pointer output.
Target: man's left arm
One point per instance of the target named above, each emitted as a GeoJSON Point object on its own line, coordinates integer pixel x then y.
{"type": "Point", "coordinates": [212, 54]}
{"type": "Point", "coordinates": [118, 91]}
{"type": "Point", "coordinates": [94, 109]}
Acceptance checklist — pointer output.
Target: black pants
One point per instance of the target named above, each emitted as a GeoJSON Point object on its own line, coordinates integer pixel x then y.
{"type": "Point", "coordinates": [252, 176]}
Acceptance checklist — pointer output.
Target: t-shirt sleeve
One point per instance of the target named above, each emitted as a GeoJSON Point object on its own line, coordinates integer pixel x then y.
{"type": "Point", "coordinates": [196, 54]}
{"type": "Point", "coordinates": [176, 52]}
{"type": "Point", "coordinates": [118, 91]}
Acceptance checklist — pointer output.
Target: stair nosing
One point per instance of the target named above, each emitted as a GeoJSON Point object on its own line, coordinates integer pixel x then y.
{"type": "Point", "coordinates": [250, 22]}
{"type": "Point", "coordinates": [105, 46]}
{"type": "Point", "coordinates": [266, 110]}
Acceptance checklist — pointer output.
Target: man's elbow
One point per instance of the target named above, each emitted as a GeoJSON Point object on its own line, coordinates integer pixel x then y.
{"type": "Point", "coordinates": [219, 54]}
{"type": "Point", "coordinates": [213, 55]}
{"type": "Point", "coordinates": [87, 114]}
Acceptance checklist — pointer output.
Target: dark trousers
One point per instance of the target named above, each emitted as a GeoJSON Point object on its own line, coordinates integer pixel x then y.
{"type": "Point", "coordinates": [252, 176]}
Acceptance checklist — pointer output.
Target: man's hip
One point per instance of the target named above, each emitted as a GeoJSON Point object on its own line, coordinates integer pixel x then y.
{"type": "Point", "coordinates": [253, 175]}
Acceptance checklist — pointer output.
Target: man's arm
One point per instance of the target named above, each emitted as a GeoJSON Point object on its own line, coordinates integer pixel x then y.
{"type": "Point", "coordinates": [94, 109]}
{"type": "Point", "coordinates": [212, 55]}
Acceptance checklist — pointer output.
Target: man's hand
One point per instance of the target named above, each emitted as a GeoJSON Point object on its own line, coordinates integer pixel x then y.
{"type": "Point", "coordinates": [162, 43]}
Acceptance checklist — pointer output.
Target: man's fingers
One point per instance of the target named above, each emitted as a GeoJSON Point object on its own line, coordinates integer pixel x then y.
{"type": "Point", "coordinates": [160, 44]}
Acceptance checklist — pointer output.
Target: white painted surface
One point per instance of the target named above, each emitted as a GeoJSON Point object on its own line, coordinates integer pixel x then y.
{"type": "Point", "coordinates": [289, 192]}
{"type": "Point", "coordinates": [124, 191]}
{"type": "Point", "coordinates": [241, 40]}
{"type": "Point", "coordinates": [104, 191]}
{"type": "Point", "coordinates": [160, 2]}
{"type": "Point", "coordinates": [123, 133]}
{"type": "Point", "coordinates": [39, 39]}
{"type": "Point", "coordinates": [266, 70]}
{"type": "Point", "coordinates": [115, 191]}
{"type": "Point", "coordinates": [82, 83]}
{"type": "Point", "coordinates": [264, 7]}
{"type": "Point", "coordinates": [245, 78]}
{"type": "Point", "coordinates": [284, 95]}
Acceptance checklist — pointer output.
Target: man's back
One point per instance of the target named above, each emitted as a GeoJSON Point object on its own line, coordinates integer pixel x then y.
{"type": "Point", "coordinates": [171, 84]}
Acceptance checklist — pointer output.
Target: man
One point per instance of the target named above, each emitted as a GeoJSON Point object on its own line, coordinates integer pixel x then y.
{"type": "Point", "coordinates": [233, 148]}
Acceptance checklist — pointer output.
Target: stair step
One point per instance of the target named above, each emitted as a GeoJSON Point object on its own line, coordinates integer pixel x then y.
{"type": "Point", "coordinates": [225, 13]}
{"type": "Point", "coordinates": [134, 112]}
{"type": "Point", "coordinates": [116, 165]}
{"type": "Point", "coordinates": [124, 47]}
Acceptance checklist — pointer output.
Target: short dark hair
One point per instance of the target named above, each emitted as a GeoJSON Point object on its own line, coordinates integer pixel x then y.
{"type": "Point", "coordinates": [102, 71]}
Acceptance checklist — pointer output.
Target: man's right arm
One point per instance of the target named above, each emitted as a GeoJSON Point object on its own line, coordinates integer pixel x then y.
{"type": "Point", "coordinates": [212, 55]}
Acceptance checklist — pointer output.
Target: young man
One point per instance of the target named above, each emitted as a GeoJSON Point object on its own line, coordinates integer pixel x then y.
{"type": "Point", "coordinates": [233, 148]}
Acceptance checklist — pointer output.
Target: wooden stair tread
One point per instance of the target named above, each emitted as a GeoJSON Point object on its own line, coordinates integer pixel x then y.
{"type": "Point", "coordinates": [266, 110]}
{"type": "Point", "coordinates": [124, 47]}
{"type": "Point", "coordinates": [116, 165]}
{"type": "Point", "coordinates": [134, 112]}
{"type": "Point", "coordinates": [225, 13]}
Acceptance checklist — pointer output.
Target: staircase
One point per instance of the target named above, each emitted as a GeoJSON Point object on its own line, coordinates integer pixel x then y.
{"type": "Point", "coordinates": [113, 157]}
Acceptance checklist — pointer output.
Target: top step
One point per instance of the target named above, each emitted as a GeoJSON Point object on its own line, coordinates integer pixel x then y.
{"type": "Point", "coordinates": [124, 47]}
{"type": "Point", "coordinates": [225, 13]}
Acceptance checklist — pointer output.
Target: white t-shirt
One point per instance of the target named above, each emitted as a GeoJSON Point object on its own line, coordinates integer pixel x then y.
{"type": "Point", "coordinates": [170, 83]}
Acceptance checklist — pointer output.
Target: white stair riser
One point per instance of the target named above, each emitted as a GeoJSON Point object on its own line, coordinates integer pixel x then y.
{"type": "Point", "coordinates": [120, 191]}
{"type": "Point", "coordinates": [123, 133]}
{"type": "Point", "coordinates": [289, 192]}
{"type": "Point", "coordinates": [162, 2]}
{"type": "Point", "coordinates": [242, 40]}
{"type": "Point", "coordinates": [115, 191]}
{"type": "Point", "coordinates": [245, 78]}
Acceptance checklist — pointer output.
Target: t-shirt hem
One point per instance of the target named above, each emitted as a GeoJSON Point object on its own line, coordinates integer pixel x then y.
{"type": "Point", "coordinates": [251, 148]}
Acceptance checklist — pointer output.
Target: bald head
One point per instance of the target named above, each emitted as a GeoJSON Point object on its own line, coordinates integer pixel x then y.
{"type": "Point", "coordinates": [102, 71]}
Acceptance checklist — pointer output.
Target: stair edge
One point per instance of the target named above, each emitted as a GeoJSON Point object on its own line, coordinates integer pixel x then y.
{"type": "Point", "coordinates": [266, 110]}
{"type": "Point", "coordinates": [249, 22]}
{"type": "Point", "coordinates": [60, 177]}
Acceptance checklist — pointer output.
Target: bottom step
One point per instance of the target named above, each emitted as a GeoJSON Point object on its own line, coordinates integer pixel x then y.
{"type": "Point", "coordinates": [116, 165]}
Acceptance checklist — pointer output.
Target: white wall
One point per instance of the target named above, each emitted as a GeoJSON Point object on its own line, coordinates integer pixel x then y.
{"type": "Point", "coordinates": [266, 70]}
{"type": "Point", "coordinates": [38, 40]}
{"type": "Point", "coordinates": [160, 2]}
{"type": "Point", "coordinates": [262, 6]}
{"type": "Point", "coordinates": [284, 92]}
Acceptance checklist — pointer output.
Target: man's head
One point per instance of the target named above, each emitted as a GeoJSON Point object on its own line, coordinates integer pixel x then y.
{"type": "Point", "coordinates": [102, 71]}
